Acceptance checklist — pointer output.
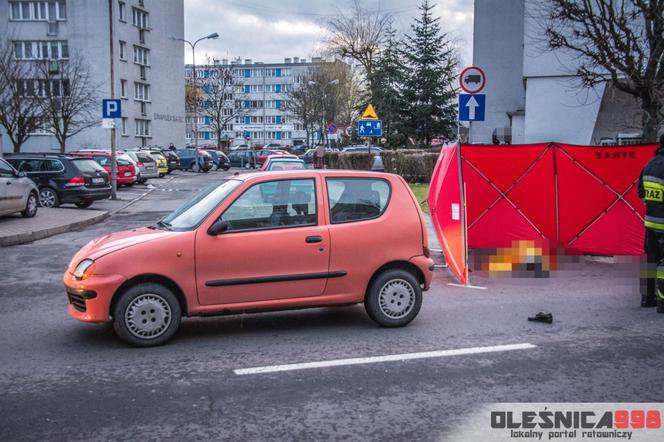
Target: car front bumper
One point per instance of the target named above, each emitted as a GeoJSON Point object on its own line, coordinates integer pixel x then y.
{"type": "Point", "coordinates": [90, 299]}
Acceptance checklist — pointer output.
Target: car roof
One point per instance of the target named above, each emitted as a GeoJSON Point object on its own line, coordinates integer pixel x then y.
{"type": "Point", "coordinates": [307, 173]}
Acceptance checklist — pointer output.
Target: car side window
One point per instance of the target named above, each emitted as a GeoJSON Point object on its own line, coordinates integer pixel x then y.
{"type": "Point", "coordinates": [273, 205]}
{"type": "Point", "coordinates": [30, 165]}
{"type": "Point", "coordinates": [53, 166]}
{"type": "Point", "coordinates": [6, 170]}
{"type": "Point", "coordinates": [357, 199]}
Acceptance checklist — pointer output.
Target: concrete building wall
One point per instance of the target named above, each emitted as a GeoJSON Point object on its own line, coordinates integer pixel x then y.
{"type": "Point", "coordinates": [86, 30]}
{"type": "Point", "coordinates": [498, 50]}
{"type": "Point", "coordinates": [550, 104]}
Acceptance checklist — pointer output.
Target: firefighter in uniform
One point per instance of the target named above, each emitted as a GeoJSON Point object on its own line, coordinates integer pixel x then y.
{"type": "Point", "coordinates": [651, 191]}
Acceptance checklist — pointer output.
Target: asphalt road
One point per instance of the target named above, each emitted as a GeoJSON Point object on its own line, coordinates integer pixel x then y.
{"type": "Point", "coordinates": [65, 380]}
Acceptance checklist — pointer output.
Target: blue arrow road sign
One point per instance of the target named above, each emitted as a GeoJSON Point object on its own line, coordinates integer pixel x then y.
{"type": "Point", "coordinates": [472, 107]}
{"type": "Point", "coordinates": [111, 108]}
{"type": "Point", "coordinates": [370, 128]}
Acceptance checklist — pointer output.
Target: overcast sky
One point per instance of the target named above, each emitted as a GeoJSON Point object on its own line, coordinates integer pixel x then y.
{"type": "Point", "coordinates": [268, 30]}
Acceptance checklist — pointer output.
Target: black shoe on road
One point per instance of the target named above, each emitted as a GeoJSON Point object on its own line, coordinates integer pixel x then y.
{"type": "Point", "coordinates": [542, 317]}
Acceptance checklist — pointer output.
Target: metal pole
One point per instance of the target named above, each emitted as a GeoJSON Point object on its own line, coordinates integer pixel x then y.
{"type": "Point", "coordinates": [193, 62]}
{"type": "Point", "coordinates": [114, 168]}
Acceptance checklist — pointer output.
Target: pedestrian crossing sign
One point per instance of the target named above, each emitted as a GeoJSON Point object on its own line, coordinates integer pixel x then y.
{"type": "Point", "coordinates": [369, 113]}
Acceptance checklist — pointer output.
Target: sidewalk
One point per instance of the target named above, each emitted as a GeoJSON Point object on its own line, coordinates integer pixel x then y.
{"type": "Point", "coordinates": [48, 222]}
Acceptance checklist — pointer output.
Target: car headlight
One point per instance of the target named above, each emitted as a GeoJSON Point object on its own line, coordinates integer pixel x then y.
{"type": "Point", "coordinates": [84, 269]}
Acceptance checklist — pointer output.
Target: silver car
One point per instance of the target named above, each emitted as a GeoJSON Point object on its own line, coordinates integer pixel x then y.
{"type": "Point", "coordinates": [145, 163]}
{"type": "Point", "coordinates": [17, 192]}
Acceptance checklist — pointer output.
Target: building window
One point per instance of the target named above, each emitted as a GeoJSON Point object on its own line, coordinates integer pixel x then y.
{"type": "Point", "coordinates": [139, 18]}
{"type": "Point", "coordinates": [141, 56]}
{"type": "Point", "coordinates": [123, 50]}
{"type": "Point", "coordinates": [122, 11]}
{"type": "Point", "coordinates": [141, 92]}
{"type": "Point", "coordinates": [41, 50]}
{"type": "Point", "coordinates": [124, 126]}
{"type": "Point", "coordinates": [38, 10]}
{"type": "Point", "coordinates": [123, 88]}
{"type": "Point", "coordinates": [142, 128]}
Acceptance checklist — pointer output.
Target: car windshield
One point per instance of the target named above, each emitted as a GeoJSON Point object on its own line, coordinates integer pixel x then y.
{"type": "Point", "coordinates": [86, 165]}
{"type": "Point", "coordinates": [190, 215]}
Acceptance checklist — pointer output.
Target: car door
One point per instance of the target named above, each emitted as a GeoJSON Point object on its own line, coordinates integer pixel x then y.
{"type": "Point", "coordinates": [276, 246]}
{"type": "Point", "coordinates": [14, 189]}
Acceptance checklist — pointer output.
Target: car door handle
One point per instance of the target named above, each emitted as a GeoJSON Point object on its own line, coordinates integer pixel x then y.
{"type": "Point", "coordinates": [313, 239]}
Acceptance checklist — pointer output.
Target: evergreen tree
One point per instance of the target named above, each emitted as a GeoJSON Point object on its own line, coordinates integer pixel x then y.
{"type": "Point", "coordinates": [429, 94]}
{"type": "Point", "coordinates": [387, 79]}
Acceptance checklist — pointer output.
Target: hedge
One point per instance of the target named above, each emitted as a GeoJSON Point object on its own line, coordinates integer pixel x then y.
{"type": "Point", "coordinates": [413, 165]}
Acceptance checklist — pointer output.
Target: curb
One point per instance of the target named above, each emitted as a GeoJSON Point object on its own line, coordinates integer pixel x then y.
{"type": "Point", "coordinates": [45, 233]}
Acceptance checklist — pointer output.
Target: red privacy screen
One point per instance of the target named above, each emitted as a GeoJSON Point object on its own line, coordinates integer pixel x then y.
{"type": "Point", "coordinates": [581, 197]}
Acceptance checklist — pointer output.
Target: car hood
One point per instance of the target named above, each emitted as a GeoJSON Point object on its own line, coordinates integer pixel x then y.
{"type": "Point", "coordinates": [113, 242]}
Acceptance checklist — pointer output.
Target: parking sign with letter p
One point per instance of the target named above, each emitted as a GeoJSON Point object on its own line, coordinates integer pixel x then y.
{"type": "Point", "coordinates": [111, 108]}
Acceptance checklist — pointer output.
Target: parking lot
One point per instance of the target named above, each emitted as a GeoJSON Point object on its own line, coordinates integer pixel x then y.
{"type": "Point", "coordinates": [312, 374]}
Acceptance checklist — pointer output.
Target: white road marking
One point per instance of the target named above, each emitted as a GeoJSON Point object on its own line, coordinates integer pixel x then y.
{"type": "Point", "coordinates": [386, 358]}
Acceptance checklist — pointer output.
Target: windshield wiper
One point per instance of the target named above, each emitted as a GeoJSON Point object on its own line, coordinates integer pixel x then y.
{"type": "Point", "coordinates": [165, 225]}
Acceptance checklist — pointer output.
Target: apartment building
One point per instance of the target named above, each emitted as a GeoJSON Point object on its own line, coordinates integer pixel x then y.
{"type": "Point", "coordinates": [261, 91]}
{"type": "Point", "coordinates": [145, 62]}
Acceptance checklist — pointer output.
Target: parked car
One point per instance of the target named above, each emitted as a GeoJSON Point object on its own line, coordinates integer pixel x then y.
{"type": "Point", "coordinates": [160, 160]}
{"type": "Point", "coordinates": [283, 223]}
{"type": "Point", "coordinates": [125, 169]}
{"type": "Point", "coordinates": [189, 159]}
{"type": "Point", "coordinates": [240, 147]}
{"type": "Point", "coordinates": [17, 192]}
{"type": "Point", "coordinates": [261, 155]}
{"type": "Point", "coordinates": [308, 156]}
{"type": "Point", "coordinates": [146, 165]}
{"type": "Point", "coordinates": [283, 162]}
{"type": "Point", "coordinates": [64, 179]}
{"type": "Point", "coordinates": [172, 159]}
{"type": "Point", "coordinates": [243, 158]}
{"type": "Point", "coordinates": [377, 165]}
{"type": "Point", "coordinates": [219, 159]}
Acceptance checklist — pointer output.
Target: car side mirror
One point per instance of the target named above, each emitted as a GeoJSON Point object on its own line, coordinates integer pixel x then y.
{"type": "Point", "coordinates": [219, 227]}
{"type": "Point", "coordinates": [21, 174]}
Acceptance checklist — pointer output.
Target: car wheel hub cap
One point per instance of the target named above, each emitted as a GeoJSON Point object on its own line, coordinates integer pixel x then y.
{"type": "Point", "coordinates": [47, 198]}
{"type": "Point", "coordinates": [148, 316]}
{"type": "Point", "coordinates": [32, 204]}
{"type": "Point", "coordinates": [396, 298]}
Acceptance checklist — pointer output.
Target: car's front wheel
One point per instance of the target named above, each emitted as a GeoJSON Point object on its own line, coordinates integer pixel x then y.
{"type": "Point", "coordinates": [394, 298]}
{"type": "Point", "coordinates": [146, 315]}
{"type": "Point", "coordinates": [48, 197]}
{"type": "Point", "coordinates": [30, 206]}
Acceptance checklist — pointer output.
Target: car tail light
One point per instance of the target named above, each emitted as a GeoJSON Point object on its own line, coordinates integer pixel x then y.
{"type": "Point", "coordinates": [75, 182]}
{"type": "Point", "coordinates": [140, 164]}
{"type": "Point", "coordinates": [426, 252]}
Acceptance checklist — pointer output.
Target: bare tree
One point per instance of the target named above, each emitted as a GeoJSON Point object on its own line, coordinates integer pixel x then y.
{"type": "Point", "coordinates": [325, 96]}
{"type": "Point", "coordinates": [303, 105]}
{"type": "Point", "coordinates": [618, 41]}
{"type": "Point", "coordinates": [71, 99]}
{"type": "Point", "coordinates": [358, 35]}
{"type": "Point", "coordinates": [20, 110]}
{"type": "Point", "coordinates": [222, 101]}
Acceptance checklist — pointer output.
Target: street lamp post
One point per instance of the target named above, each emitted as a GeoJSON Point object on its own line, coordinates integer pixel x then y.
{"type": "Point", "coordinates": [193, 62]}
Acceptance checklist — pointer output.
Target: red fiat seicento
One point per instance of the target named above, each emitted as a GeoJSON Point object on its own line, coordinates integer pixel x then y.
{"type": "Point", "coordinates": [257, 242]}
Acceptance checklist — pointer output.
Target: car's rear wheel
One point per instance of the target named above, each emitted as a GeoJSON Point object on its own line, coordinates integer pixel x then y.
{"type": "Point", "coordinates": [48, 197]}
{"type": "Point", "coordinates": [83, 204]}
{"type": "Point", "coordinates": [394, 298]}
{"type": "Point", "coordinates": [30, 206]}
{"type": "Point", "coordinates": [146, 315]}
